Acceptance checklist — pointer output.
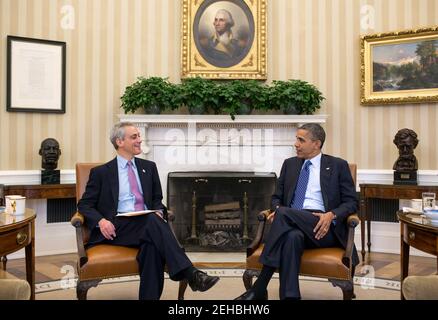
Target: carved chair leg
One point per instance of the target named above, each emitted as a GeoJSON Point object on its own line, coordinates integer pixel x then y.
{"type": "Point", "coordinates": [353, 271]}
{"type": "Point", "coordinates": [182, 289]}
{"type": "Point", "coordinates": [346, 286]}
{"type": "Point", "coordinates": [247, 277]}
{"type": "Point", "coordinates": [83, 286]}
{"type": "Point", "coordinates": [4, 259]}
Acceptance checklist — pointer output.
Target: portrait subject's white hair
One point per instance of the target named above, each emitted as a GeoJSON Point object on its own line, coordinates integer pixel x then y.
{"type": "Point", "coordinates": [229, 17]}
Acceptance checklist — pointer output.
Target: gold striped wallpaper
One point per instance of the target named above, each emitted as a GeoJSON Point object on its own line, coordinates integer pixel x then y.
{"type": "Point", "coordinates": [111, 42]}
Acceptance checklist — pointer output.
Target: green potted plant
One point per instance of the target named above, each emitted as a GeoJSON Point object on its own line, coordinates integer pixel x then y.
{"type": "Point", "coordinates": [198, 95]}
{"type": "Point", "coordinates": [241, 96]}
{"type": "Point", "coordinates": [154, 95]}
{"type": "Point", "coordinates": [294, 97]}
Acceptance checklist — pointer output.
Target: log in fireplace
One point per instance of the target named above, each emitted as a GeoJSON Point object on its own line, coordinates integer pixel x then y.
{"type": "Point", "coordinates": [217, 211]}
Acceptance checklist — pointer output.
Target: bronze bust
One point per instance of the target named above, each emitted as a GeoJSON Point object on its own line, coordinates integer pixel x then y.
{"type": "Point", "coordinates": [406, 141]}
{"type": "Point", "coordinates": [50, 153]}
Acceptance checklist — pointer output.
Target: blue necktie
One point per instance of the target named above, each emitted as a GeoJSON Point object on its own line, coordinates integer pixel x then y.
{"type": "Point", "coordinates": [300, 190]}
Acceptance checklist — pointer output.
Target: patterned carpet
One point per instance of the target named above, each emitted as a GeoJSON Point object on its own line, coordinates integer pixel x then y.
{"type": "Point", "coordinates": [55, 272]}
{"type": "Point", "coordinates": [229, 287]}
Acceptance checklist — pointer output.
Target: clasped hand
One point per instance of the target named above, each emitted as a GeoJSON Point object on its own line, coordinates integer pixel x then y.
{"type": "Point", "coordinates": [323, 225]}
{"type": "Point", "coordinates": [321, 228]}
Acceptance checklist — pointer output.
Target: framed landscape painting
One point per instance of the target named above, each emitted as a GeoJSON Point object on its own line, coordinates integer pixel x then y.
{"type": "Point", "coordinates": [224, 39]}
{"type": "Point", "coordinates": [400, 67]}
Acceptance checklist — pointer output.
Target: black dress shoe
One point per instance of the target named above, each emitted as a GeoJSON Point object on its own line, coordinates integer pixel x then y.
{"type": "Point", "coordinates": [202, 281]}
{"type": "Point", "coordinates": [251, 295]}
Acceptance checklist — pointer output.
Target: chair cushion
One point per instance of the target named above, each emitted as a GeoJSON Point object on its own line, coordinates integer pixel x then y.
{"type": "Point", "coordinates": [324, 262]}
{"type": "Point", "coordinates": [106, 261]}
{"type": "Point", "coordinates": [321, 262]}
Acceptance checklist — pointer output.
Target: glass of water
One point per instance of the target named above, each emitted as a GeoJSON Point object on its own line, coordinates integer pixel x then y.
{"type": "Point", "coordinates": [428, 200]}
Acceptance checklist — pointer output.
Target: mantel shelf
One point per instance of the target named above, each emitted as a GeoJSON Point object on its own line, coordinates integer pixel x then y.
{"type": "Point", "coordinates": [250, 119]}
{"type": "Point", "coordinates": [149, 123]}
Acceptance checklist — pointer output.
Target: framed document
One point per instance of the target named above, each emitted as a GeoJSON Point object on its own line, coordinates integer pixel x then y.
{"type": "Point", "coordinates": [35, 75]}
{"type": "Point", "coordinates": [224, 39]}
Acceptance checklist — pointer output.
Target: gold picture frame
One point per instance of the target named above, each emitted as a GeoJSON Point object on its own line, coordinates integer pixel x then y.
{"type": "Point", "coordinates": [400, 67]}
{"type": "Point", "coordinates": [208, 50]}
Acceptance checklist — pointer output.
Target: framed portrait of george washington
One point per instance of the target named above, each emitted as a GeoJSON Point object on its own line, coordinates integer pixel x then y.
{"type": "Point", "coordinates": [400, 67]}
{"type": "Point", "coordinates": [224, 39]}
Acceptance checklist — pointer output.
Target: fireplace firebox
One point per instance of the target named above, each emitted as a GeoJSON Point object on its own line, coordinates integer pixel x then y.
{"type": "Point", "coordinates": [217, 211]}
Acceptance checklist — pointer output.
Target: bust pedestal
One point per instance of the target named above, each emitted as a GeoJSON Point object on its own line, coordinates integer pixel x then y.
{"type": "Point", "coordinates": [50, 177]}
{"type": "Point", "coordinates": [405, 177]}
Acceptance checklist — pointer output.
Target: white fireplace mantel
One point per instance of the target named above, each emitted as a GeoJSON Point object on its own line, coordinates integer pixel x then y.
{"type": "Point", "coordinates": [192, 124]}
{"type": "Point", "coordinates": [253, 143]}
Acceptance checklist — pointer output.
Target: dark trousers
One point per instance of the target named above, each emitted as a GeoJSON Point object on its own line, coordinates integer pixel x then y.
{"type": "Point", "coordinates": [157, 247]}
{"type": "Point", "coordinates": [292, 232]}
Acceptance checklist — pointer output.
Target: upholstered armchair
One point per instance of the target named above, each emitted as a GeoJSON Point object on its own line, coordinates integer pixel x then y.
{"type": "Point", "coordinates": [101, 261]}
{"type": "Point", "coordinates": [14, 289]}
{"type": "Point", "coordinates": [335, 263]}
{"type": "Point", "coordinates": [420, 287]}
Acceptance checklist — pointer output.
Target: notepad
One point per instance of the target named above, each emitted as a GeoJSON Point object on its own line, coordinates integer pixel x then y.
{"type": "Point", "coordinates": [136, 213]}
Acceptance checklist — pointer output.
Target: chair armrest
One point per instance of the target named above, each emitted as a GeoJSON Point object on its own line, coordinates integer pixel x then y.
{"type": "Point", "coordinates": [77, 221]}
{"type": "Point", "coordinates": [170, 216]}
{"type": "Point", "coordinates": [261, 217]}
{"type": "Point", "coordinates": [352, 222]}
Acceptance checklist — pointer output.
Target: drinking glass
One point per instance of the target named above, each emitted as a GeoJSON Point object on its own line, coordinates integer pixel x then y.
{"type": "Point", "coordinates": [428, 200]}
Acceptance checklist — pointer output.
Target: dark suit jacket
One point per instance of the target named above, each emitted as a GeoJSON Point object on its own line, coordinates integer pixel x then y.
{"type": "Point", "coordinates": [337, 188]}
{"type": "Point", "coordinates": [101, 195]}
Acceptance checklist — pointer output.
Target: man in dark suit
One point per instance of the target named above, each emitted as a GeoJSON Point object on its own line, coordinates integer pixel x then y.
{"type": "Point", "coordinates": [314, 196]}
{"type": "Point", "coordinates": [127, 184]}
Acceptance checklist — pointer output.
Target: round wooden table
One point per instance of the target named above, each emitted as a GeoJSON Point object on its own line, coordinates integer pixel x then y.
{"type": "Point", "coordinates": [18, 232]}
{"type": "Point", "coordinates": [419, 232]}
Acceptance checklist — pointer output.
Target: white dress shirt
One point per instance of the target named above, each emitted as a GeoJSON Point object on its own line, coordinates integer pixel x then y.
{"type": "Point", "coordinates": [126, 197]}
{"type": "Point", "coordinates": [313, 199]}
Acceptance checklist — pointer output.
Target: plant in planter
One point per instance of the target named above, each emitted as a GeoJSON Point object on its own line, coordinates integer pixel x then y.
{"type": "Point", "coordinates": [199, 94]}
{"type": "Point", "coordinates": [241, 96]}
{"type": "Point", "coordinates": [294, 97]}
{"type": "Point", "coordinates": [154, 95]}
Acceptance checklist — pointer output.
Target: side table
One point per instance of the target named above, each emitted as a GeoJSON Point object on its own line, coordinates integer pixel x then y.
{"type": "Point", "coordinates": [18, 232]}
{"type": "Point", "coordinates": [418, 232]}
